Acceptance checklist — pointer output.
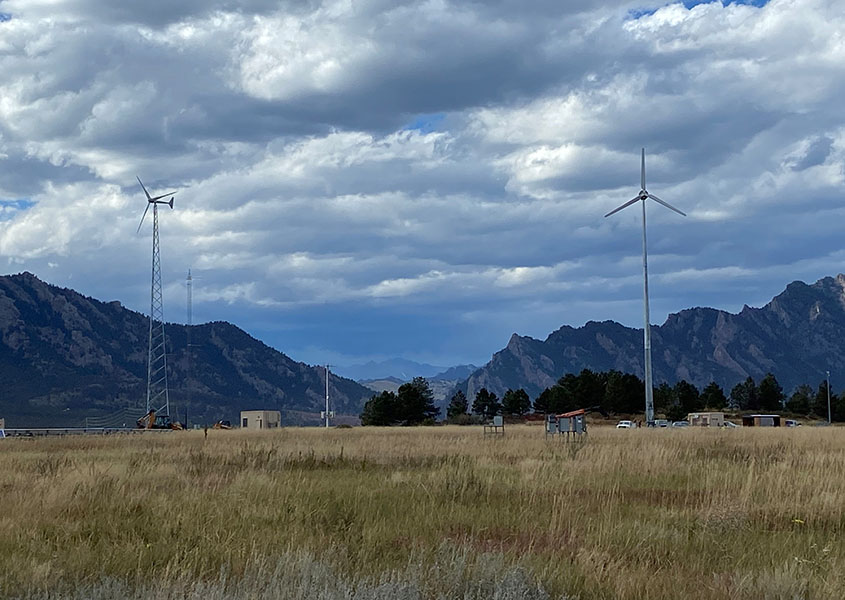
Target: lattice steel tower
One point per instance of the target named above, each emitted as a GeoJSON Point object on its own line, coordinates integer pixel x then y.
{"type": "Point", "coordinates": [158, 395]}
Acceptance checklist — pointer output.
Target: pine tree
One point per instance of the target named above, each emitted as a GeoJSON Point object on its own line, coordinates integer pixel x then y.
{"type": "Point", "coordinates": [516, 402]}
{"type": "Point", "coordinates": [664, 398]}
{"type": "Point", "coordinates": [744, 396]}
{"type": "Point", "coordinates": [800, 400]}
{"type": "Point", "coordinates": [380, 410]}
{"type": "Point", "coordinates": [458, 406]}
{"type": "Point", "coordinates": [416, 402]}
{"type": "Point", "coordinates": [770, 393]}
{"type": "Point", "coordinates": [712, 396]}
{"type": "Point", "coordinates": [543, 402]}
{"type": "Point", "coordinates": [819, 404]}
{"type": "Point", "coordinates": [689, 399]}
{"type": "Point", "coordinates": [486, 404]}
{"type": "Point", "coordinates": [624, 393]}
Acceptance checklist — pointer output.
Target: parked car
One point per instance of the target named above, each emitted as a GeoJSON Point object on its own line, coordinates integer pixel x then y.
{"type": "Point", "coordinates": [680, 424]}
{"type": "Point", "coordinates": [730, 425]}
{"type": "Point", "coordinates": [661, 423]}
{"type": "Point", "coordinates": [626, 425]}
{"type": "Point", "coordinates": [791, 423]}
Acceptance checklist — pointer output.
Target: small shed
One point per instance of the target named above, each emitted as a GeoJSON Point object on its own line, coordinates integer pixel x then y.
{"type": "Point", "coordinates": [261, 419]}
{"type": "Point", "coordinates": [706, 419]}
{"type": "Point", "coordinates": [761, 421]}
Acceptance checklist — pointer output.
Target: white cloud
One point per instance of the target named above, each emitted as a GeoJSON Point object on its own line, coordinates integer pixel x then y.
{"type": "Point", "coordinates": [305, 192]}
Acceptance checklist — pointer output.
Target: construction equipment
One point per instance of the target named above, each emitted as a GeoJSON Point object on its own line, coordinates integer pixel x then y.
{"type": "Point", "coordinates": [222, 425]}
{"type": "Point", "coordinates": [153, 421]}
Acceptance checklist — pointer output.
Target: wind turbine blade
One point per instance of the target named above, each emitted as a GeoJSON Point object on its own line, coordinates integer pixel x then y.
{"type": "Point", "coordinates": [642, 173]}
{"type": "Point", "coordinates": [626, 205]}
{"type": "Point", "coordinates": [667, 205]}
{"type": "Point", "coordinates": [142, 217]}
{"type": "Point", "coordinates": [162, 196]}
{"type": "Point", "coordinates": [145, 189]}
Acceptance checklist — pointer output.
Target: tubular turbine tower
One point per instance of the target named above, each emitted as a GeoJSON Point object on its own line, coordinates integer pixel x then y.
{"type": "Point", "coordinates": [158, 395]}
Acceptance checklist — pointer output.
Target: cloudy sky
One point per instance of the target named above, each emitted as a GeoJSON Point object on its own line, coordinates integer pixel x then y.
{"type": "Point", "coordinates": [365, 179]}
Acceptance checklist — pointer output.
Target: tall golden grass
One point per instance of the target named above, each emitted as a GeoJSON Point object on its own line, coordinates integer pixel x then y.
{"type": "Point", "coordinates": [436, 512]}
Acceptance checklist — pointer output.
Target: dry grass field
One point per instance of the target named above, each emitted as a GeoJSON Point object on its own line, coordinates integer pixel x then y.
{"type": "Point", "coordinates": [434, 512]}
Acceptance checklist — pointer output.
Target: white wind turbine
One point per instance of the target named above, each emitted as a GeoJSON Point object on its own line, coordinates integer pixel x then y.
{"type": "Point", "coordinates": [157, 390]}
{"type": "Point", "coordinates": [642, 197]}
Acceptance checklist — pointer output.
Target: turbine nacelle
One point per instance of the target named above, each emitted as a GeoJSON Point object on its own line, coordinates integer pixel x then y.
{"type": "Point", "coordinates": [644, 195]}
{"type": "Point", "coordinates": [153, 200]}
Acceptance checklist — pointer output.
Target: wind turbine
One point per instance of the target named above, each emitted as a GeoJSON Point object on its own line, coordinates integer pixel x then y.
{"type": "Point", "coordinates": [642, 197]}
{"type": "Point", "coordinates": [156, 355]}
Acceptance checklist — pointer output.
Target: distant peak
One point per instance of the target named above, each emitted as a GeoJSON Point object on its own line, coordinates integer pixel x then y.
{"type": "Point", "coordinates": [25, 275]}
{"type": "Point", "coordinates": [798, 284]}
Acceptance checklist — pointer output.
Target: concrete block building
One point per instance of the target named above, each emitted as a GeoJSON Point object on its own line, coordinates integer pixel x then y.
{"type": "Point", "coordinates": [261, 419]}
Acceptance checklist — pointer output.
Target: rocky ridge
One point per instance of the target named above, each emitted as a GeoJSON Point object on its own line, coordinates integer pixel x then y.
{"type": "Point", "coordinates": [64, 356]}
{"type": "Point", "coordinates": [796, 336]}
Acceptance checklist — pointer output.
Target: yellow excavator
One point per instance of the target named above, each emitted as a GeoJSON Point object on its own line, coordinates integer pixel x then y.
{"type": "Point", "coordinates": [153, 421]}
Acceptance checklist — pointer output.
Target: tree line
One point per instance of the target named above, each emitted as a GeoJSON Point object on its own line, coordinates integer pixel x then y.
{"type": "Point", "coordinates": [804, 400]}
{"type": "Point", "coordinates": [412, 404]}
{"type": "Point", "coordinates": [614, 391]}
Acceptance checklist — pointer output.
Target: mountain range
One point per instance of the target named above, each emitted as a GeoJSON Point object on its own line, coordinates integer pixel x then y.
{"type": "Point", "coordinates": [402, 370]}
{"type": "Point", "coordinates": [797, 336]}
{"type": "Point", "coordinates": [64, 357]}
{"type": "Point", "coordinates": [442, 384]}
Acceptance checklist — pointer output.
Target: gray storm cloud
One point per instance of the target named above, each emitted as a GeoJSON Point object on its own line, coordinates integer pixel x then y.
{"type": "Point", "coordinates": [303, 186]}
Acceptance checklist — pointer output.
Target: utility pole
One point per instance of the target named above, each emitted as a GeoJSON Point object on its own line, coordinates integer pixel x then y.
{"type": "Point", "coordinates": [188, 284]}
{"type": "Point", "coordinates": [828, 398]}
{"type": "Point", "coordinates": [327, 414]}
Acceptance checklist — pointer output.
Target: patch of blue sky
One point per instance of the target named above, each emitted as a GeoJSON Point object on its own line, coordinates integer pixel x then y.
{"type": "Point", "coordinates": [5, 17]}
{"type": "Point", "coordinates": [426, 123]}
{"type": "Point", "coordinates": [9, 208]}
{"type": "Point", "coordinates": [636, 13]}
{"type": "Point", "coordinates": [757, 3]}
